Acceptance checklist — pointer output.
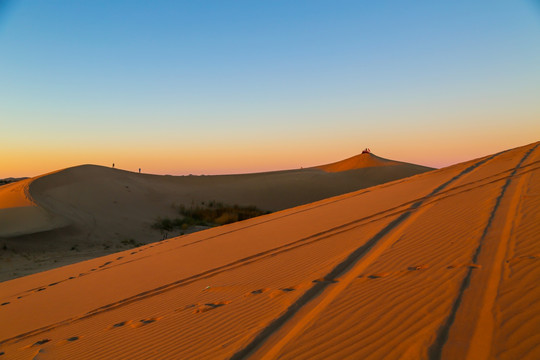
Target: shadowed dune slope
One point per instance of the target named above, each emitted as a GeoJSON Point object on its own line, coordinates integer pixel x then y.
{"type": "Point", "coordinates": [97, 199]}
{"type": "Point", "coordinates": [442, 265]}
{"type": "Point", "coordinates": [94, 209]}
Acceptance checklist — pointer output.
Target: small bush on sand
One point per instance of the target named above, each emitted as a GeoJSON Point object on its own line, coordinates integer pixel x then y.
{"type": "Point", "coordinates": [164, 224]}
{"type": "Point", "coordinates": [209, 213]}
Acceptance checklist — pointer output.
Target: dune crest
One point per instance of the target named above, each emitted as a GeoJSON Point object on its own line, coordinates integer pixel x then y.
{"type": "Point", "coordinates": [442, 265]}
{"type": "Point", "coordinates": [361, 161]}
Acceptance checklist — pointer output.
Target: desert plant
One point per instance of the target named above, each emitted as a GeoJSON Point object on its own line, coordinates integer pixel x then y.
{"type": "Point", "coordinates": [209, 213]}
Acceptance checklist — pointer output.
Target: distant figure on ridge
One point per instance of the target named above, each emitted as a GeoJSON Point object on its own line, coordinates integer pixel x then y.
{"type": "Point", "coordinates": [113, 165]}
{"type": "Point", "coordinates": [139, 170]}
{"type": "Point", "coordinates": [366, 151]}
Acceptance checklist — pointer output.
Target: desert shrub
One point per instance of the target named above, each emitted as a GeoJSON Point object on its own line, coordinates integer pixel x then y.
{"type": "Point", "coordinates": [218, 213]}
{"type": "Point", "coordinates": [209, 213]}
{"type": "Point", "coordinates": [163, 224]}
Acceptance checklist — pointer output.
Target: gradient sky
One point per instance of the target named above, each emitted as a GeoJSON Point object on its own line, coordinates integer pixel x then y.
{"type": "Point", "coordinates": [208, 87]}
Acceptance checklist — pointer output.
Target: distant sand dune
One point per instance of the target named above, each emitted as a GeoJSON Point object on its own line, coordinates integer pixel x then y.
{"type": "Point", "coordinates": [362, 161]}
{"type": "Point", "coordinates": [93, 209]}
{"type": "Point", "coordinates": [440, 265]}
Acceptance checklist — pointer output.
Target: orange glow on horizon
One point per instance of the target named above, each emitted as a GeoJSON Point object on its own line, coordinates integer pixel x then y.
{"type": "Point", "coordinates": [237, 160]}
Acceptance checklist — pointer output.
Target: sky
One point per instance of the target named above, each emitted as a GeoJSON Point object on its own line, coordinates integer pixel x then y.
{"type": "Point", "coordinates": [215, 87]}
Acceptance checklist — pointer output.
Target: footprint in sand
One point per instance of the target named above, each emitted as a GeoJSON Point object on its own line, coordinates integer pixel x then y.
{"type": "Point", "coordinates": [73, 338]}
{"type": "Point", "coordinates": [210, 306]}
{"type": "Point", "coordinates": [117, 325]}
{"type": "Point", "coordinates": [41, 342]}
{"type": "Point", "coordinates": [288, 289]}
{"type": "Point", "coordinates": [281, 291]}
{"type": "Point", "coordinates": [120, 257]}
{"type": "Point", "coordinates": [418, 267]}
{"type": "Point", "coordinates": [143, 322]}
{"type": "Point", "coordinates": [4, 303]}
{"type": "Point", "coordinates": [256, 292]}
{"type": "Point", "coordinates": [186, 307]}
{"type": "Point", "coordinates": [378, 276]}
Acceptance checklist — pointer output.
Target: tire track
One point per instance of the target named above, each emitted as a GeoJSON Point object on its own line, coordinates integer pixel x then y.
{"type": "Point", "coordinates": [467, 303]}
{"type": "Point", "coordinates": [348, 270]}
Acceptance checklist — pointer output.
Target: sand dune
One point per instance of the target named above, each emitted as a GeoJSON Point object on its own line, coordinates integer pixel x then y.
{"type": "Point", "coordinates": [361, 161]}
{"type": "Point", "coordinates": [89, 210]}
{"type": "Point", "coordinates": [442, 265]}
{"type": "Point", "coordinates": [19, 213]}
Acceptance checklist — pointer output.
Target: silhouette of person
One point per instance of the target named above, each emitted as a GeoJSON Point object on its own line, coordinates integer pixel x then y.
{"type": "Point", "coordinates": [113, 165]}
{"type": "Point", "coordinates": [139, 170]}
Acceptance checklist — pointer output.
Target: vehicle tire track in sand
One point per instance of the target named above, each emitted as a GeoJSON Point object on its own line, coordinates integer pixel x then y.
{"type": "Point", "coordinates": [347, 271]}
{"type": "Point", "coordinates": [471, 336]}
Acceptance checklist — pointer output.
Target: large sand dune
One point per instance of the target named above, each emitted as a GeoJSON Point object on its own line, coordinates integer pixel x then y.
{"type": "Point", "coordinates": [86, 211]}
{"type": "Point", "coordinates": [442, 265]}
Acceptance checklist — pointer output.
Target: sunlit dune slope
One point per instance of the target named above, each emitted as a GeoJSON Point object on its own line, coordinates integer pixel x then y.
{"type": "Point", "coordinates": [361, 161]}
{"type": "Point", "coordinates": [19, 214]}
{"type": "Point", "coordinates": [442, 265]}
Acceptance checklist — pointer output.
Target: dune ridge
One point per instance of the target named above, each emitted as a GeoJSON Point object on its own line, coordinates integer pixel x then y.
{"type": "Point", "coordinates": [361, 161]}
{"type": "Point", "coordinates": [439, 265]}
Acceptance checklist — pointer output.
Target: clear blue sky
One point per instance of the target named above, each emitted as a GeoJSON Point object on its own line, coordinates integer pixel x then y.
{"type": "Point", "coordinates": [236, 86]}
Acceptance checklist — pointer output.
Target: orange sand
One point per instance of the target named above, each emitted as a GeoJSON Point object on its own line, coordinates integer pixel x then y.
{"type": "Point", "coordinates": [364, 160]}
{"type": "Point", "coordinates": [19, 214]}
{"type": "Point", "coordinates": [440, 265]}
